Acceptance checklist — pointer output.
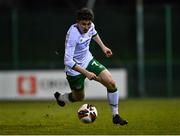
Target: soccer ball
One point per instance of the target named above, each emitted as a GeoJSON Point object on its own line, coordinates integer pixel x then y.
{"type": "Point", "coordinates": [87, 113]}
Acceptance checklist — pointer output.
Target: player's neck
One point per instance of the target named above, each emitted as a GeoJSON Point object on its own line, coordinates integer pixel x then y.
{"type": "Point", "coordinates": [79, 29]}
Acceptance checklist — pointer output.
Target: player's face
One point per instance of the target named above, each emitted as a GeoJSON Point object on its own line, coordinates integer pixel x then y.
{"type": "Point", "coordinates": [84, 25]}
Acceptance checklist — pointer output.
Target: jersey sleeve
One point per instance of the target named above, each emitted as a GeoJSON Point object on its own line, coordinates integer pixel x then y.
{"type": "Point", "coordinates": [94, 32]}
{"type": "Point", "coordinates": [70, 44]}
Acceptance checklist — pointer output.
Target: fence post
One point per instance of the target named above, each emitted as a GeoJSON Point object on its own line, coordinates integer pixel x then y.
{"type": "Point", "coordinates": [168, 50]}
{"type": "Point", "coordinates": [14, 25]}
{"type": "Point", "coordinates": [140, 48]}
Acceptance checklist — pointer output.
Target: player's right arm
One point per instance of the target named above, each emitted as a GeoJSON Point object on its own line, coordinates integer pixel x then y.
{"type": "Point", "coordinates": [88, 74]}
{"type": "Point", "coordinates": [70, 44]}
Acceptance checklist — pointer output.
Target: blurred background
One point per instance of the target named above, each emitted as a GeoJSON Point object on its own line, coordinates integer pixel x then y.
{"type": "Point", "coordinates": [143, 35]}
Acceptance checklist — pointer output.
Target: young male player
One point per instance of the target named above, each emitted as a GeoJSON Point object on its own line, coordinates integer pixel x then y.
{"type": "Point", "coordinates": [80, 64]}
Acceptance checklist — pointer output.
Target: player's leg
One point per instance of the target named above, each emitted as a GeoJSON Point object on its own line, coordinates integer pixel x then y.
{"type": "Point", "coordinates": [74, 96]}
{"type": "Point", "coordinates": [76, 84]}
{"type": "Point", "coordinates": [106, 79]}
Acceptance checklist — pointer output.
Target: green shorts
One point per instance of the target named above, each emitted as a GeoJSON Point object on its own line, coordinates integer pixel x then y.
{"type": "Point", "coordinates": [76, 83]}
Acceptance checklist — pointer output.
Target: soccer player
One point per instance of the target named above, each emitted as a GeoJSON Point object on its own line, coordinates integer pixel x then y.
{"type": "Point", "coordinates": [80, 64]}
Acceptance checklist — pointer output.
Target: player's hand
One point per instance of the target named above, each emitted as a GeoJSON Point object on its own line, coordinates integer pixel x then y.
{"type": "Point", "coordinates": [107, 52]}
{"type": "Point", "coordinates": [91, 76]}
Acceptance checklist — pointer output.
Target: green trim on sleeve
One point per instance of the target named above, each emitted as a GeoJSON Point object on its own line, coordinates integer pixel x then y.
{"type": "Point", "coordinates": [74, 66]}
{"type": "Point", "coordinates": [94, 35]}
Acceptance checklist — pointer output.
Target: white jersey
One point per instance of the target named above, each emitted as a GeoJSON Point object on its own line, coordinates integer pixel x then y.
{"type": "Point", "coordinates": [77, 48]}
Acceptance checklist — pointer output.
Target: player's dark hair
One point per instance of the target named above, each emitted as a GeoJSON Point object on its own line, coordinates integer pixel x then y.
{"type": "Point", "coordinates": [85, 14]}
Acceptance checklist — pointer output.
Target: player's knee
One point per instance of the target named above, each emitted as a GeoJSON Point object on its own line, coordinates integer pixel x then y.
{"type": "Point", "coordinates": [111, 84]}
{"type": "Point", "coordinates": [79, 97]}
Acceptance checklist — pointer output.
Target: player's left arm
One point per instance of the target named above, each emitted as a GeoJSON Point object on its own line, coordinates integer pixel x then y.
{"type": "Point", "coordinates": [105, 49]}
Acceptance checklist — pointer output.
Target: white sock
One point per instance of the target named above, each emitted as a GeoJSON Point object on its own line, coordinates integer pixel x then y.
{"type": "Point", "coordinates": [113, 99]}
{"type": "Point", "coordinates": [64, 97]}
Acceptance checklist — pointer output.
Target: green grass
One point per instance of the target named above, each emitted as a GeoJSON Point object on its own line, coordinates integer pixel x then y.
{"type": "Point", "coordinates": [145, 116]}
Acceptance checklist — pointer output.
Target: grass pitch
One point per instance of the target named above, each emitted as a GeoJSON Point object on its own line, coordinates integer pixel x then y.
{"type": "Point", "coordinates": [145, 116]}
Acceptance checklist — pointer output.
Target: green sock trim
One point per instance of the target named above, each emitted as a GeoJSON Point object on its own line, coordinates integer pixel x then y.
{"type": "Point", "coordinates": [112, 91]}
